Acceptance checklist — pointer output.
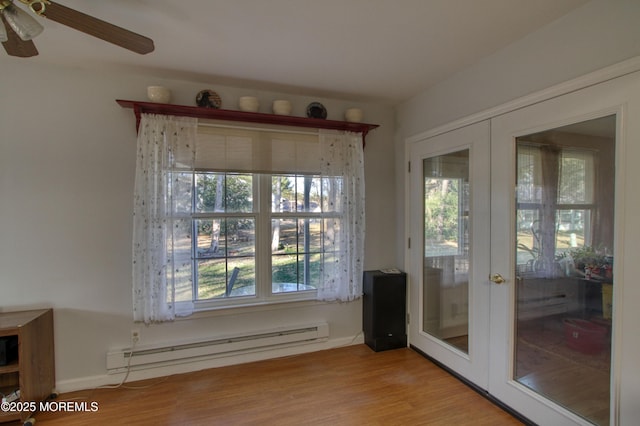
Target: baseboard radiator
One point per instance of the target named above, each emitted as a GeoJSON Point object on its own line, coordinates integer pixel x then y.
{"type": "Point", "coordinates": [149, 357]}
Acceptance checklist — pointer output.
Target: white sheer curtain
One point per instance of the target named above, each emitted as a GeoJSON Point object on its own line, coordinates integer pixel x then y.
{"type": "Point", "coordinates": [342, 167]}
{"type": "Point", "coordinates": [162, 201]}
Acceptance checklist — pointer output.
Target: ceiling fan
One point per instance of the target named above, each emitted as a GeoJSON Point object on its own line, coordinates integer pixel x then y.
{"type": "Point", "coordinates": [18, 28]}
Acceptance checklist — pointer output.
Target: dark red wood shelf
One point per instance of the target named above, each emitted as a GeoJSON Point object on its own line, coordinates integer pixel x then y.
{"type": "Point", "coordinates": [241, 116]}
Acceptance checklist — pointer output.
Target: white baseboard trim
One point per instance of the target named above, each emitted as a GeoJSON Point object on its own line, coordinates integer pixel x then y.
{"type": "Point", "coordinates": [91, 382]}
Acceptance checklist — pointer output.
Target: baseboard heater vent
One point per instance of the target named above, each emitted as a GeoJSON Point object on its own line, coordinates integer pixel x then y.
{"type": "Point", "coordinates": [117, 361]}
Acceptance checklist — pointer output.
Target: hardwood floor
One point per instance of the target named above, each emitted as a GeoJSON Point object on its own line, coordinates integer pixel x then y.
{"type": "Point", "coordinates": [345, 386]}
{"type": "Point", "coordinates": [573, 379]}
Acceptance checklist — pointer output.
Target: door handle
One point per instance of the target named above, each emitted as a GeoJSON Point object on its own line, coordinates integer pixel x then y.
{"type": "Point", "coordinates": [496, 278]}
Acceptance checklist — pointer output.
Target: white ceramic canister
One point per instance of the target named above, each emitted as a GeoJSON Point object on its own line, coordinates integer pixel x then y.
{"type": "Point", "coordinates": [281, 107]}
{"type": "Point", "coordinates": [353, 115]}
{"type": "Point", "coordinates": [159, 94]}
{"type": "Point", "coordinates": [248, 103]}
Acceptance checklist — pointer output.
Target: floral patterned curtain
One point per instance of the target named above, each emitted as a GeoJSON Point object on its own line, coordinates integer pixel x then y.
{"type": "Point", "coordinates": [162, 197]}
{"type": "Point", "coordinates": [342, 171]}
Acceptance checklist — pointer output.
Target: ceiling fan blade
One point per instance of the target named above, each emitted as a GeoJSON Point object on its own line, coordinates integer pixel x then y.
{"type": "Point", "coordinates": [98, 28]}
{"type": "Point", "coordinates": [15, 46]}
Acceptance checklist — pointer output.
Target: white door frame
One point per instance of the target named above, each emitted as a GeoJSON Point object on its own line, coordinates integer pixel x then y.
{"type": "Point", "coordinates": [625, 387]}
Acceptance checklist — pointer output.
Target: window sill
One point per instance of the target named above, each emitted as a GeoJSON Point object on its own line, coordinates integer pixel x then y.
{"type": "Point", "coordinates": [204, 310]}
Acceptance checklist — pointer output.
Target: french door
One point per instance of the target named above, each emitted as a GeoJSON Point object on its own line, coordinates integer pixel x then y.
{"type": "Point", "coordinates": [449, 302]}
{"type": "Point", "coordinates": [516, 255]}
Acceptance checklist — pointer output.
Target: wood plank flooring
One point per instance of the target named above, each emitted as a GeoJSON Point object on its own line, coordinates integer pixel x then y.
{"type": "Point", "coordinates": [570, 378]}
{"type": "Point", "coordinates": [345, 386]}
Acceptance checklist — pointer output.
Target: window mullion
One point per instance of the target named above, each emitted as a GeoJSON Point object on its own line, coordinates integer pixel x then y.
{"type": "Point", "coordinates": [263, 237]}
{"type": "Point", "coordinates": [194, 240]}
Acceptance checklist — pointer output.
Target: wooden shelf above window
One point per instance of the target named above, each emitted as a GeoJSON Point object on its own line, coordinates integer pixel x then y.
{"type": "Point", "coordinates": [241, 116]}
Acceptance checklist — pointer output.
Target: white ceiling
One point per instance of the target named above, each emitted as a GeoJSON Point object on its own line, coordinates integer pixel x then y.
{"type": "Point", "coordinates": [382, 50]}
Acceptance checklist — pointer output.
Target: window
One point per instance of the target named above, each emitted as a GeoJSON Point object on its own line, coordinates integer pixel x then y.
{"type": "Point", "coordinates": [446, 209]}
{"type": "Point", "coordinates": [303, 220]}
{"type": "Point", "coordinates": [224, 224]}
{"type": "Point", "coordinates": [228, 216]}
{"type": "Point", "coordinates": [230, 213]}
{"type": "Point", "coordinates": [555, 190]}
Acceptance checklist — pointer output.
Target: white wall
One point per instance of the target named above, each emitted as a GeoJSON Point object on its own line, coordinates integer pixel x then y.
{"type": "Point", "coordinates": [67, 160]}
{"type": "Point", "coordinates": [598, 34]}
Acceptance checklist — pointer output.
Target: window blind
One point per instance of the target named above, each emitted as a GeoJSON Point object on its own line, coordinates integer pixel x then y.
{"type": "Point", "coordinates": [256, 151]}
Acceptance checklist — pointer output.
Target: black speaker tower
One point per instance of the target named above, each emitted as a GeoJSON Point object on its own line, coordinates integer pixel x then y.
{"type": "Point", "coordinates": [384, 310]}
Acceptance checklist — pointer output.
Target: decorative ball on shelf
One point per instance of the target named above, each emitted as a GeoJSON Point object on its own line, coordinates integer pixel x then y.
{"type": "Point", "coordinates": [208, 99]}
{"type": "Point", "coordinates": [316, 110]}
{"type": "Point", "coordinates": [159, 94]}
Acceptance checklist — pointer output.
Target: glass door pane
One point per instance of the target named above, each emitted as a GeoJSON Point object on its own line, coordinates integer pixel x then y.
{"type": "Point", "coordinates": [564, 259]}
{"type": "Point", "coordinates": [446, 248]}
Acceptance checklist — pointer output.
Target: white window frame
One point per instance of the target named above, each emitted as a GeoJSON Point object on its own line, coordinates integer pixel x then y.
{"type": "Point", "coordinates": [262, 215]}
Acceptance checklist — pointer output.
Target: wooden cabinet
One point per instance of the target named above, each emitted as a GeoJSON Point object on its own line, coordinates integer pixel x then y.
{"type": "Point", "coordinates": [33, 371]}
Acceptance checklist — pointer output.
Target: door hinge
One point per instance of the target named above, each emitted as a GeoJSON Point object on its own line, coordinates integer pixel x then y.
{"type": "Point", "coordinates": [409, 167]}
{"type": "Point", "coordinates": [408, 318]}
{"type": "Point", "coordinates": [409, 242]}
